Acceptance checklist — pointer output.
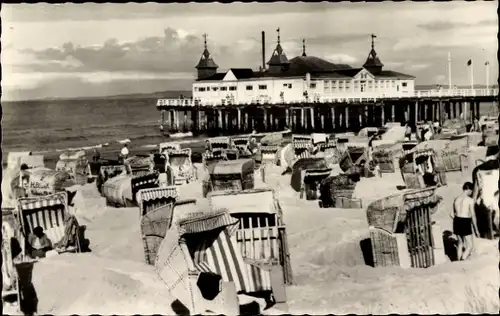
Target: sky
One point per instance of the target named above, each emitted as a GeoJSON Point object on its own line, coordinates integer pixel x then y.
{"type": "Point", "coordinates": [74, 50]}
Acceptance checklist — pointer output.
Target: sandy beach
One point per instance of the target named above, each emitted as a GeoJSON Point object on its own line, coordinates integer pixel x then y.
{"type": "Point", "coordinates": [328, 265]}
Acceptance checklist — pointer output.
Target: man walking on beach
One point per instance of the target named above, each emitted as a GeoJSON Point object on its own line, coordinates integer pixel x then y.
{"type": "Point", "coordinates": [463, 223]}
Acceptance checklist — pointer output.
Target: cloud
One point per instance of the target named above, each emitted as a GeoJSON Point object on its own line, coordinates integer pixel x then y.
{"type": "Point", "coordinates": [447, 25]}
{"type": "Point", "coordinates": [341, 59]}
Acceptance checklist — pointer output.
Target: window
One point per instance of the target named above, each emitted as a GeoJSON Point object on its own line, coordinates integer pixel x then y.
{"type": "Point", "coordinates": [393, 83]}
{"type": "Point", "coordinates": [232, 88]}
{"type": "Point", "coordinates": [195, 88]}
{"type": "Point", "coordinates": [223, 88]}
{"type": "Point", "coordinates": [287, 85]}
{"type": "Point", "coordinates": [215, 88]}
{"type": "Point", "coordinates": [403, 84]}
{"type": "Point", "coordinates": [262, 87]}
{"type": "Point", "coordinates": [312, 86]}
{"type": "Point", "coordinates": [201, 89]}
{"type": "Point", "coordinates": [248, 88]}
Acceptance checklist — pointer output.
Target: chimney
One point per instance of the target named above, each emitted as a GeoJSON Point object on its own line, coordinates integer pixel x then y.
{"type": "Point", "coordinates": [263, 51]}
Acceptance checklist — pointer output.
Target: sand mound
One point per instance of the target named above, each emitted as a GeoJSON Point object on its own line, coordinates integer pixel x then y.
{"type": "Point", "coordinates": [87, 284]}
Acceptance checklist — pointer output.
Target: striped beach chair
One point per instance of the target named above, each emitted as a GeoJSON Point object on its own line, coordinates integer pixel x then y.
{"type": "Point", "coordinates": [51, 213]}
{"type": "Point", "coordinates": [200, 252]}
{"type": "Point", "coordinates": [152, 198]}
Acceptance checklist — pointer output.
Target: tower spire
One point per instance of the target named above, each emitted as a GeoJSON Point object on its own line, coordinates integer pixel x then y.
{"type": "Point", "coordinates": [206, 66]}
{"type": "Point", "coordinates": [304, 47]}
{"type": "Point", "coordinates": [373, 63]}
{"type": "Point", "coordinates": [278, 30]}
{"type": "Point", "coordinates": [205, 39]}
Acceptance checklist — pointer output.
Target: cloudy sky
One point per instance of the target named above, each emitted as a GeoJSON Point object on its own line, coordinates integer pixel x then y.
{"type": "Point", "coordinates": [72, 50]}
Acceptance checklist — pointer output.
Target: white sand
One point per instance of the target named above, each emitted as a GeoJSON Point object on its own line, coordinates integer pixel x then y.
{"type": "Point", "coordinates": [329, 269]}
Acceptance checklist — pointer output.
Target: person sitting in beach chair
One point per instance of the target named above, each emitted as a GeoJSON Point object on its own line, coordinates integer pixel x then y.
{"type": "Point", "coordinates": [39, 243]}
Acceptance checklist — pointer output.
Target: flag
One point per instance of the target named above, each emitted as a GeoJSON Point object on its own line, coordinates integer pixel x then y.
{"type": "Point", "coordinates": [374, 36]}
{"type": "Point", "coordinates": [487, 63]}
{"type": "Point", "coordinates": [469, 62]}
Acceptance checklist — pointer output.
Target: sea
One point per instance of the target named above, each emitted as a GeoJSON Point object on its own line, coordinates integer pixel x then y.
{"type": "Point", "coordinates": [49, 127]}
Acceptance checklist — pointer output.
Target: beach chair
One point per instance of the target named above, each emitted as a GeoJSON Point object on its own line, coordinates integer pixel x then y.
{"type": "Point", "coordinates": [51, 213]}
{"type": "Point", "coordinates": [202, 266]}
{"type": "Point", "coordinates": [156, 222]}
{"type": "Point", "coordinates": [416, 164]}
{"type": "Point", "coordinates": [230, 175]}
{"type": "Point", "coordinates": [402, 232]}
{"type": "Point", "coordinates": [269, 154]}
{"type": "Point", "coordinates": [485, 196]}
{"type": "Point", "coordinates": [164, 147]}
{"type": "Point", "coordinates": [121, 191]}
{"type": "Point", "coordinates": [180, 165]}
{"type": "Point", "coordinates": [307, 174]}
{"type": "Point", "coordinates": [153, 198]}
{"type": "Point", "coordinates": [450, 153]}
{"type": "Point", "coordinates": [11, 297]}
{"type": "Point", "coordinates": [302, 145]}
{"type": "Point", "coordinates": [353, 157]}
{"type": "Point", "coordinates": [76, 165]}
{"type": "Point", "coordinates": [337, 191]}
{"type": "Point", "coordinates": [44, 181]}
{"type": "Point", "coordinates": [261, 231]}
{"type": "Point", "coordinates": [241, 142]}
{"type": "Point", "coordinates": [108, 172]}
{"type": "Point", "coordinates": [139, 165]}
{"type": "Point", "coordinates": [387, 157]}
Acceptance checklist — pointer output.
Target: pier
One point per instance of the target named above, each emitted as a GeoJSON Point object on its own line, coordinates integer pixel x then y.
{"type": "Point", "coordinates": [330, 115]}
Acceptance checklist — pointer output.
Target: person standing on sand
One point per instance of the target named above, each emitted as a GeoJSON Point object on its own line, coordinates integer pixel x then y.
{"type": "Point", "coordinates": [125, 152]}
{"type": "Point", "coordinates": [463, 221]}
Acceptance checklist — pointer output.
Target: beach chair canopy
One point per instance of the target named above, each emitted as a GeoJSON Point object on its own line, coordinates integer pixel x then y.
{"type": "Point", "coordinates": [269, 149]}
{"type": "Point", "coordinates": [303, 164]}
{"type": "Point", "coordinates": [72, 155]}
{"type": "Point", "coordinates": [179, 157]}
{"type": "Point", "coordinates": [231, 167]}
{"type": "Point", "coordinates": [14, 159]}
{"type": "Point", "coordinates": [169, 146]}
{"type": "Point", "coordinates": [272, 139]}
{"type": "Point", "coordinates": [220, 142]}
{"type": "Point", "coordinates": [32, 161]}
{"type": "Point", "coordinates": [241, 140]}
{"type": "Point", "coordinates": [152, 198]}
{"type": "Point", "coordinates": [387, 212]}
{"type": "Point", "coordinates": [48, 212]}
{"type": "Point", "coordinates": [261, 200]}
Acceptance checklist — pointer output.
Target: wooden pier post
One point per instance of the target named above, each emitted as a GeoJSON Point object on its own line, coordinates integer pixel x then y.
{"type": "Point", "coordinates": [478, 115]}
{"type": "Point", "coordinates": [219, 120]}
{"type": "Point", "coordinates": [246, 123]}
{"type": "Point", "coordinates": [322, 121]}
{"type": "Point", "coordinates": [392, 113]}
{"type": "Point", "coordinates": [382, 114]}
{"type": "Point", "coordinates": [265, 119]}
{"type": "Point", "coordinates": [333, 120]}
{"type": "Point", "coordinates": [441, 114]}
{"type": "Point", "coordinates": [239, 120]}
{"type": "Point", "coordinates": [313, 118]}
{"type": "Point", "coordinates": [271, 120]}
{"type": "Point", "coordinates": [472, 111]}
{"type": "Point", "coordinates": [162, 120]}
{"type": "Point", "coordinates": [287, 118]}
{"type": "Point", "coordinates": [346, 118]}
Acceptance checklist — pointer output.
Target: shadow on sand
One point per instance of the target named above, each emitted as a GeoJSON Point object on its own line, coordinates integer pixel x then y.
{"type": "Point", "coordinates": [367, 250]}
{"type": "Point", "coordinates": [450, 245]}
{"type": "Point", "coordinates": [29, 298]}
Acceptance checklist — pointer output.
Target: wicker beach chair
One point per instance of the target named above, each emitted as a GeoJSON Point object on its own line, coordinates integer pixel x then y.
{"type": "Point", "coordinates": [485, 177]}
{"type": "Point", "coordinates": [121, 191]}
{"type": "Point", "coordinates": [241, 142]}
{"type": "Point", "coordinates": [261, 231]}
{"type": "Point", "coordinates": [416, 164]}
{"type": "Point", "coordinates": [230, 175]}
{"type": "Point", "coordinates": [51, 213]}
{"type": "Point", "coordinates": [307, 174]}
{"type": "Point", "coordinates": [202, 266]}
{"type": "Point", "coordinates": [44, 181]}
{"type": "Point", "coordinates": [10, 280]}
{"type": "Point", "coordinates": [302, 146]}
{"type": "Point", "coordinates": [76, 165]}
{"type": "Point", "coordinates": [450, 153]}
{"type": "Point", "coordinates": [180, 164]}
{"type": "Point", "coordinates": [387, 157]}
{"type": "Point", "coordinates": [402, 231]}
{"type": "Point", "coordinates": [153, 198]}
{"type": "Point", "coordinates": [353, 157]}
{"type": "Point", "coordinates": [337, 191]}
{"type": "Point", "coordinates": [107, 172]}
{"type": "Point", "coordinates": [269, 154]}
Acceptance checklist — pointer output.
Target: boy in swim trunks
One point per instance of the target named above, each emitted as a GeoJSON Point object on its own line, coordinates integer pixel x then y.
{"type": "Point", "coordinates": [463, 221]}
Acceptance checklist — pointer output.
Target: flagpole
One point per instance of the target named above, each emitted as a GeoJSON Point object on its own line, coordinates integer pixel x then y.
{"type": "Point", "coordinates": [487, 75]}
{"type": "Point", "coordinates": [449, 70]}
{"type": "Point", "coordinates": [472, 75]}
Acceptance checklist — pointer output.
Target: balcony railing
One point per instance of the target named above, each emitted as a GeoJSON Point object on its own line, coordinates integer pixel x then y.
{"type": "Point", "coordinates": [348, 98]}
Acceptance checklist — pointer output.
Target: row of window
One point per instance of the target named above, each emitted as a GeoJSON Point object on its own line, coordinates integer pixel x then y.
{"type": "Point", "coordinates": [329, 85]}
